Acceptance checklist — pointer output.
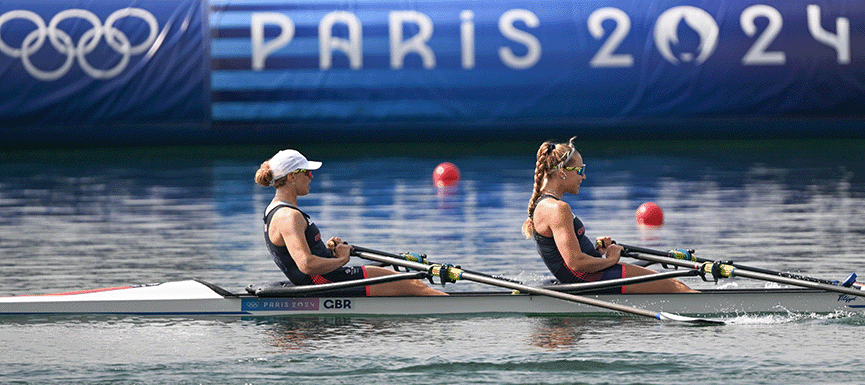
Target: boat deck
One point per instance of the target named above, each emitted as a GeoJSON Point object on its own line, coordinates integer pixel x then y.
{"type": "Point", "coordinates": [194, 297]}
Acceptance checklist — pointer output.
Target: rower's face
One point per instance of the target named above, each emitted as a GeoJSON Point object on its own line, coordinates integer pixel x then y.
{"type": "Point", "coordinates": [302, 181]}
{"type": "Point", "coordinates": [575, 177]}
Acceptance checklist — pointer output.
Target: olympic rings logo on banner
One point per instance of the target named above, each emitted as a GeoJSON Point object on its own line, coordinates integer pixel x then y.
{"type": "Point", "coordinates": [62, 42]}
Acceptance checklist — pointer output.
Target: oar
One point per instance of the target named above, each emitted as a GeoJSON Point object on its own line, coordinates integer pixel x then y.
{"type": "Point", "coordinates": [293, 291]}
{"type": "Point", "coordinates": [567, 287]}
{"type": "Point", "coordinates": [454, 274]}
{"type": "Point", "coordinates": [723, 270]}
{"type": "Point", "coordinates": [420, 258]}
{"type": "Point", "coordinates": [612, 283]}
{"type": "Point", "coordinates": [679, 255]}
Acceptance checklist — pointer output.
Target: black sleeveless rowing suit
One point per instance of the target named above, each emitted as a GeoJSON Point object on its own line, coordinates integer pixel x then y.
{"type": "Point", "coordinates": [553, 259]}
{"type": "Point", "coordinates": [313, 238]}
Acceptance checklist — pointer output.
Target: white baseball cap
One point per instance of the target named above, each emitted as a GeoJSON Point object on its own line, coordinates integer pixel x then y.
{"type": "Point", "coordinates": [286, 161]}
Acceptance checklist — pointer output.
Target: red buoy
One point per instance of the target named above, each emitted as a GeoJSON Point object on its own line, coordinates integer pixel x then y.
{"type": "Point", "coordinates": [650, 214]}
{"type": "Point", "coordinates": [446, 174]}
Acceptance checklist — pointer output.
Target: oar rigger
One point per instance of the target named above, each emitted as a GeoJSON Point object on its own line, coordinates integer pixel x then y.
{"type": "Point", "coordinates": [447, 273]}
{"type": "Point", "coordinates": [717, 269]}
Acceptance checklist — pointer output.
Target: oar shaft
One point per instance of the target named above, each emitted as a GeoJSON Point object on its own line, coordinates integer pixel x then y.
{"type": "Point", "coordinates": [513, 285]}
{"type": "Point", "coordinates": [738, 266]}
{"type": "Point", "coordinates": [606, 284]}
{"type": "Point", "coordinates": [561, 295]}
{"type": "Point", "coordinates": [798, 282]}
{"type": "Point", "coordinates": [425, 263]}
{"type": "Point", "coordinates": [455, 274]}
{"type": "Point", "coordinates": [644, 250]}
{"type": "Point", "coordinates": [732, 271]}
{"type": "Point", "coordinates": [373, 256]}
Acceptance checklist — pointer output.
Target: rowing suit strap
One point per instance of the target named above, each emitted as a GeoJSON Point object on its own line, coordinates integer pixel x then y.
{"type": "Point", "coordinates": [281, 255]}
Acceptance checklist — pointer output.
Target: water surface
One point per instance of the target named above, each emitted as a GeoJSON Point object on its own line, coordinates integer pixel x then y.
{"type": "Point", "coordinates": [77, 219]}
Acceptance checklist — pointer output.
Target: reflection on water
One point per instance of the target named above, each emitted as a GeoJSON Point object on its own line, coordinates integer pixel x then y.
{"type": "Point", "coordinates": [560, 333]}
{"type": "Point", "coordinates": [89, 221]}
{"type": "Point", "coordinates": [303, 333]}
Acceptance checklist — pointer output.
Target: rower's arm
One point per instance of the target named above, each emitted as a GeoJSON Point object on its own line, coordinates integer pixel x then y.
{"type": "Point", "coordinates": [565, 235]}
{"type": "Point", "coordinates": [290, 226]}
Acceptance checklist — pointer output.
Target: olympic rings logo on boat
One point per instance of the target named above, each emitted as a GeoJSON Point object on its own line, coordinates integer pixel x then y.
{"type": "Point", "coordinates": [62, 42]}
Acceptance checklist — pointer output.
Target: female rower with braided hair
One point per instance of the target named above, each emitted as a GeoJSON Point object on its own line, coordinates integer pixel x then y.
{"type": "Point", "coordinates": [560, 235]}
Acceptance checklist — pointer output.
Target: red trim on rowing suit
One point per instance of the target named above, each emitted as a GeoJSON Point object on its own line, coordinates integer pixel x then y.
{"type": "Point", "coordinates": [365, 276]}
{"type": "Point", "coordinates": [624, 275]}
{"type": "Point", "coordinates": [585, 276]}
{"type": "Point", "coordinates": [83, 291]}
{"type": "Point", "coordinates": [319, 280]}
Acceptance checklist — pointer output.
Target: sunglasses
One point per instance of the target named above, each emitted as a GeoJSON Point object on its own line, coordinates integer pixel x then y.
{"type": "Point", "coordinates": [302, 170]}
{"type": "Point", "coordinates": [581, 170]}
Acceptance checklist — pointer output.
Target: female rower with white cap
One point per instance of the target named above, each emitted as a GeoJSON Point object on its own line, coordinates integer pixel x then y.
{"type": "Point", "coordinates": [295, 242]}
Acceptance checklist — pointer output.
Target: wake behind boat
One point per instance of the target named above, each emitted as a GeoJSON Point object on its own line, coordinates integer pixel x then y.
{"type": "Point", "coordinates": [200, 298]}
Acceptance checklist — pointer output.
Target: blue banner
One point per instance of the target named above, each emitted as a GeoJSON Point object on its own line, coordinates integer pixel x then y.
{"type": "Point", "coordinates": [538, 63]}
{"type": "Point", "coordinates": [67, 64]}
{"type": "Point", "coordinates": [253, 70]}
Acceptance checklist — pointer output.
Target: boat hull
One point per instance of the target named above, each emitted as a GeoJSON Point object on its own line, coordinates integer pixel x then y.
{"type": "Point", "coordinates": [199, 298]}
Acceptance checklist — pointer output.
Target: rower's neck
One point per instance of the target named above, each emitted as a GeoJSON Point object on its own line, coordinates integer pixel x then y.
{"type": "Point", "coordinates": [285, 196]}
{"type": "Point", "coordinates": [552, 194]}
{"type": "Point", "coordinates": [552, 187]}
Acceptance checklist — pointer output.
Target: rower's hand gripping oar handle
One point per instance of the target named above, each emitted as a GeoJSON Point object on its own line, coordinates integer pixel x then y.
{"type": "Point", "coordinates": [447, 273]}
{"type": "Point", "coordinates": [684, 254]}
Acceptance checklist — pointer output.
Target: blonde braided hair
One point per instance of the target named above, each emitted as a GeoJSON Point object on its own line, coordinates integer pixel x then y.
{"type": "Point", "coordinates": [550, 157]}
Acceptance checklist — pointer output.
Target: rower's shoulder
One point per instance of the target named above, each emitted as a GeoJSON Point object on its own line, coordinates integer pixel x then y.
{"type": "Point", "coordinates": [551, 211]}
{"type": "Point", "coordinates": [286, 213]}
{"type": "Point", "coordinates": [553, 205]}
